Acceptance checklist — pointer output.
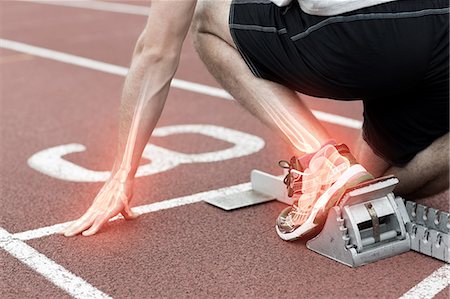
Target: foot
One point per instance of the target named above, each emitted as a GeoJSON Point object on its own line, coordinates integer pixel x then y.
{"type": "Point", "coordinates": [330, 172]}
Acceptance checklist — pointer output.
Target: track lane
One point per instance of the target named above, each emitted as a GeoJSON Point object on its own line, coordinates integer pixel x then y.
{"type": "Point", "coordinates": [198, 250]}
{"type": "Point", "coordinates": [199, 276]}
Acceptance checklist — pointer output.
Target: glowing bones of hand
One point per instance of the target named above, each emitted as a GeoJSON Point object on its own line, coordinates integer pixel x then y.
{"type": "Point", "coordinates": [127, 158]}
{"type": "Point", "coordinates": [113, 198]}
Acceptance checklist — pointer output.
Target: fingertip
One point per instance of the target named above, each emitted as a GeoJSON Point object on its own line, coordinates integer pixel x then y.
{"type": "Point", "coordinates": [89, 232]}
{"type": "Point", "coordinates": [72, 231]}
{"type": "Point", "coordinates": [65, 230]}
{"type": "Point", "coordinates": [129, 214]}
{"type": "Point", "coordinates": [68, 234]}
{"type": "Point", "coordinates": [86, 233]}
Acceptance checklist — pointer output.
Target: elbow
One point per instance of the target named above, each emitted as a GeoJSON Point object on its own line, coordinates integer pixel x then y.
{"type": "Point", "coordinates": [153, 57]}
{"type": "Point", "coordinates": [149, 55]}
{"type": "Point", "coordinates": [164, 61]}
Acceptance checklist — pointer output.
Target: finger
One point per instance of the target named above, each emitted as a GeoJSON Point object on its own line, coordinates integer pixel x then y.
{"type": "Point", "coordinates": [98, 223]}
{"type": "Point", "coordinates": [79, 221]}
{"type": "Point", "coordinates": [84, 221]}
{"type": "Point", "coordinates": [80, 225]}
{"type": "Point", "coordinates": [128, 213]}
{"type": "Point", "coordinates": [66, 227]}
{"type": "Point", "coordinates": [67, 230]}
{"type": "Point", "coordinates": [84, 218]}
{"type": "Point", "coordinates": [100, 220]}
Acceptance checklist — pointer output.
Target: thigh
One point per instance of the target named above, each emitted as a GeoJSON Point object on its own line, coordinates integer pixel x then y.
{"type": "Point", "coordinates": [403, 122]}
{"type": "Point", "coordinates": [344, 57]}
{"type": "Point", "coordinates": [398, 127]}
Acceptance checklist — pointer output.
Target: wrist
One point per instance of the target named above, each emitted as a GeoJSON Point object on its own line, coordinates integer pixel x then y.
{"type": "Point", "coordinates": [123, 175]}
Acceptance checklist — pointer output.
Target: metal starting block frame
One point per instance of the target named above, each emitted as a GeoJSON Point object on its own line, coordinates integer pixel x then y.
{"type": "Point", "coordinates": [429, 230]}
{"type": "Point", "coordinates": [368, 224]}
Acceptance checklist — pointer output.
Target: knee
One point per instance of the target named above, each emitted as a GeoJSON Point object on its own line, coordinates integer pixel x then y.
{"type": "Point", "coordinates": [427, 173]}
{"type": "Point", "coordinates": [210, 20]}
{"type": "Point", "coordinates": [201, 22]}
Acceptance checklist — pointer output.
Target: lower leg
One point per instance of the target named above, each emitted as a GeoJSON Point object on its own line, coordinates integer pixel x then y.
{"type": "Point", "coordinates": [426, 174]}
{"type": "Point", "coordinates": [367, 158]}
{"type": "Point", "coordinates": [275, 105]}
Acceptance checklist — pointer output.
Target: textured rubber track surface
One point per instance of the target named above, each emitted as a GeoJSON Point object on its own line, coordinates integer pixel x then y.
{"type": "Point", "coordinates": [194, 250]}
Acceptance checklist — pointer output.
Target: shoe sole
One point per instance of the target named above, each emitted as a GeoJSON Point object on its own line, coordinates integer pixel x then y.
{"type": "Point", "coordinates": [321, 203]}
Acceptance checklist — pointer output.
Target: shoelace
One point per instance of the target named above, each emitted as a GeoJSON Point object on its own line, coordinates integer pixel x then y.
{"type": "Point", "coordinates": [327, 174]}
{"type": "Point", "coordinates": [296, 211]}
{"type": "Point", "coordinates": [289, 178]}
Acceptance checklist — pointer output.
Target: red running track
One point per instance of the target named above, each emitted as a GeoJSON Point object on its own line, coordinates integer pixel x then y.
{"type": "Point", "coordinates": [193, 250]}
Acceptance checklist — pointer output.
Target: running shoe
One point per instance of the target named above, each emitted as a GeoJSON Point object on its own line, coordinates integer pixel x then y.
{"type": "Point", "coordinates": [317, 188]}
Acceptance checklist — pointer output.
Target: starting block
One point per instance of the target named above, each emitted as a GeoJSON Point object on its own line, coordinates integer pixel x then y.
{"type": "Point", "coordinates": [368, 224]}
{"type": "Point", "coordinates": [265, 187]}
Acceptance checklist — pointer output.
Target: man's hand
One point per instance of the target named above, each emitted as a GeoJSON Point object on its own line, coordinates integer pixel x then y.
{"type": "Point", "coordinates": [154, 63]}
{"type": "Point", "coordinates": [112, 199]}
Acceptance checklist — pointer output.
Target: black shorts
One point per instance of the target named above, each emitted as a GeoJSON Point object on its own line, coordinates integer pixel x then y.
{"type": "Point", "coordinates": [393, 56]}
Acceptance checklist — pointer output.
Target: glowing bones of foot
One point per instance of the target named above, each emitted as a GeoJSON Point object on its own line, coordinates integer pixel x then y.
{"type": "Point", "coordinates": [325, 167]}
{"type": "Point", "coordinates": [292, 128]}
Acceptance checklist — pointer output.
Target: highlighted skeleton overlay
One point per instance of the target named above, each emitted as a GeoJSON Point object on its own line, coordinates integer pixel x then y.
{"type": "Point", "coordinates": [51, 162]}
{"type": "Point", "coordinates": [303, 140]}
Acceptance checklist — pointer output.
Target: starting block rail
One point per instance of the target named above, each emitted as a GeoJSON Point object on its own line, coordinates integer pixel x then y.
{"type": "Point", "coordinates": [368, 224]}
{"type": "Point", "coordinates": [429, 231]}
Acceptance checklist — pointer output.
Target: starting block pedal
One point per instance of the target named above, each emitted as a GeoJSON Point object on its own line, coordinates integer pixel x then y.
{"type": "Point", "coordinates": [264, 187]}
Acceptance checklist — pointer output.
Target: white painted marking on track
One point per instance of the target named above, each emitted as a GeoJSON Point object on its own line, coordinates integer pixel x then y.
{"type": "Point", "coordinates": [144, 209]}
{"type": "Point", "coordinates": [177, 83]}
{"type": "Point", "coordinates": [431, 285]}
{"type": "Point", "coordinates": [428, 288]}
{"type": "Point", "coordinates": [51, 162]}
{"type": "Point", "coordinates": [55, 273]}
{"type": "Point", "coordinates": [337, 119]}
{"type": "Point", "coordinates": [105, 67]}
{"type": "Point", "coordinates": [98, 5]}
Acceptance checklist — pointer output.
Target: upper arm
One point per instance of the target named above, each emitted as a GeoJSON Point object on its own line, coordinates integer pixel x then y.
{"type": "Point", "coordinates": [167, 25]}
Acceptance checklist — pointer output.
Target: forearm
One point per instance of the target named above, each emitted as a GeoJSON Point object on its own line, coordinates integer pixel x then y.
{"type": "Point", "coordinates": [154, 63]}
{"type": "Point", "coordinates": [143, 98]}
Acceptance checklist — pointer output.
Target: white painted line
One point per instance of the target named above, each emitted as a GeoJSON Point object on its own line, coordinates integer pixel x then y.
{"type": "Point", "coordinates": [337, 119]}
{"type": "Point", "coordinates": [144, 209]}
{"type": "Point", "coordinates": [55, 273]}
{"type": "Point", "coordinates": [105, 67]}
{"type": "Point", "coordinates": [177, 83]}
{"type": "Point", "coordinates": [51, 161]}
{"type": "Point", "coordinates": [63, 57]}
{"type": "Point", "coordinates": [201, 88]}
{"type": "Point", "coordinates": [430, 286]}
{"type": "Point", "coordinates": [99, 5]}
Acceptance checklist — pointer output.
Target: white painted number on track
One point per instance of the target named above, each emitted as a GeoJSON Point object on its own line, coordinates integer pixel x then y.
{"type": "Point", "coordinates": [52, 163]}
